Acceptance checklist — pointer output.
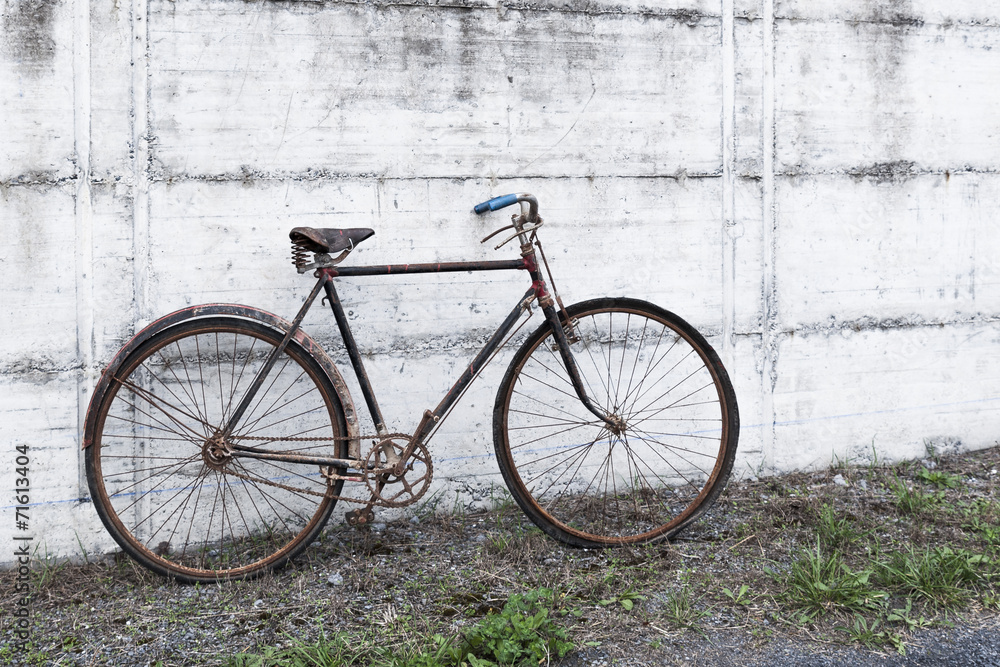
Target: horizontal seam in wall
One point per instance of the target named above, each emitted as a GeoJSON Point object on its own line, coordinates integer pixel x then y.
{"type": "Point", "coordinates": [864, 324]}
{"type": "Point", "coordinates": [896, 21]}
{"type": "Point", "coordinates": [309, 176]}
{"type": "Point", "coordinates": [886, 172]}
{"type": "Point", "coordinates": [685, 16]}
{"type": "Point", "coordinates": [29, 181]}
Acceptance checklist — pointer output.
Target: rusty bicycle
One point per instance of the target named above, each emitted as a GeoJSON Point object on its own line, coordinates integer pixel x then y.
{"type": "Point", "coordinates": [220, 437]}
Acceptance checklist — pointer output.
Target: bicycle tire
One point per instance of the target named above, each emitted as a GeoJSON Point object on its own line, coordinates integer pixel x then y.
{"type": "Point", "coordinates": [587, 486]}
{"type": "Point", "coordinates": [157, 488]}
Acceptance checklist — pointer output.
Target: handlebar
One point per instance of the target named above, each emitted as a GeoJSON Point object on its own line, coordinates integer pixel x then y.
{"type": "Point", "coordinates": [497, 203]}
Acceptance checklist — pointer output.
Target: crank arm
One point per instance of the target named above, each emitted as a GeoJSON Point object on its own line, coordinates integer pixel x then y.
{"type": "Point", "coordinates": [400, 466]}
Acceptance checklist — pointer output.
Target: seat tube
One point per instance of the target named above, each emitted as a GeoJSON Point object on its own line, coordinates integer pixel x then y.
{"type": "Point", "coordinates": [355, 357]}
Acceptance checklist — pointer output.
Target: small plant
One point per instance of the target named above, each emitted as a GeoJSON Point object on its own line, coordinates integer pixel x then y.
{"type": "Point", "coordinates": [940, 575]}
{"type": "Point", "coordinates": [626, 600]}
{"type": "Point", "coordinates": [680, 609]}
{"type": "Point", "coordinates": [982, 516]}
{"type": "Point", "coordinates": [912, 500]}
{"type": "Point", "coordinates": [46, 567]}
{"type": "Point", "coordinates": [939, 478]}
{"type": "Point", "coordinates": [740, 597]}
{"type": "Point", "coordinates": [836, 532]}
{"type": "Point", "coordinates": [905, 616]}
{"type": "Point", "coordinates": [328, 651]}
{"type": "Point", "coordinates": [871, 637]}
{"type": "Point", "coordinates": [521, 632]}
{"type": "Point", "coordinates": [819, 583]}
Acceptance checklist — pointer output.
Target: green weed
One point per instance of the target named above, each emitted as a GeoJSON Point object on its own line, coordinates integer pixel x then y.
{"type": "Point", "coordinates": [940, 479]}
{"type": "Point", "coordinates": [740, 597]}
{"type": "Point", "coordinates": [835, 531]}
{"type": "Point", "coordinates": [627, 600]}
{"type": "Point", "coordinates": [818, 583]}
{"type": "Point", "coordinates": [982, 516]}
{"type": "Point", "coordinates": [940, 575]}
{"type": "Point", "coordinates": [905, 616]}
{"type": "Point", "coordinates": [522, 633]}
{"type": "Point", "coordinates": [911, 500]}
{"type": "Point", "coordinates": [871, 636]}
{"type": "Point", "coordinates": [680, 608]}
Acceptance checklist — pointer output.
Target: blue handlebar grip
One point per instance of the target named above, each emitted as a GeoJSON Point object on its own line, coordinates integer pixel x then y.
{"type": "Point", "coordinates": [496, 203]}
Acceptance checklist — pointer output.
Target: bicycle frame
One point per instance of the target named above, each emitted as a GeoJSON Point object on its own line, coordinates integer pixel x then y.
{"type": "Point", "coordinates": [430, 418]}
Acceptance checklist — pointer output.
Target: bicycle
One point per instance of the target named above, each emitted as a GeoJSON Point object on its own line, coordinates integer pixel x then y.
{"type": "Point", "coordinates": [220, 437]}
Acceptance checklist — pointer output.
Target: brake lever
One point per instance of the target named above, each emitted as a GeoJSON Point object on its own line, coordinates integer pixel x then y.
{"type": "Point", "coordinates": [526, 228]}
{"type": "Point", "coordinates": [497, 231]}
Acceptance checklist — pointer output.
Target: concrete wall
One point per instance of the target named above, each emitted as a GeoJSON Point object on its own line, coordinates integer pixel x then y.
{"type": "Point", "coordinates": [815, 185]}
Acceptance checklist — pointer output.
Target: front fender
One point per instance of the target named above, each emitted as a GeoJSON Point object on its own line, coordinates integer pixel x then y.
{"type": "Point", "coordinates": [232, 310]}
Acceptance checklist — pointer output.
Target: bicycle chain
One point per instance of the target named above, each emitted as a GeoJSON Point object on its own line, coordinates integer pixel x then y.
{"type": "Point", "coordinates": [299, 439]}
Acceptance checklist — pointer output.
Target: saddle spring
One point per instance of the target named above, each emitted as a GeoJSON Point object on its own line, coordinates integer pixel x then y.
{"type": "Point", "coordinates": [300, 255]}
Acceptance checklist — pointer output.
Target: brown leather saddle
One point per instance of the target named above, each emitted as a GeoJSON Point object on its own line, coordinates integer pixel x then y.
{"type": "Point", "coordinates": [329, 240]}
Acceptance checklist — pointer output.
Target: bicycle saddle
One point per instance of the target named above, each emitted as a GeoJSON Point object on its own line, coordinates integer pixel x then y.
{"type": "Point", "coordinates": [329, 240]}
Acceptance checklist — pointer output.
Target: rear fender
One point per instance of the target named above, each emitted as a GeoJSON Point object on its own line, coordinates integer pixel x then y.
{"type": "Point", "coordinates": [232, 310]}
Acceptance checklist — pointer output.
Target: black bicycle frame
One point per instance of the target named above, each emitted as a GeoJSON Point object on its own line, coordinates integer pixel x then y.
{"type": "Point", "coordinates": [430, 418]}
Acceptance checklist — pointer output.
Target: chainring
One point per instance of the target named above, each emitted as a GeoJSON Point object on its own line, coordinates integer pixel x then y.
{"type": "Point", "coordinates": [389, 489]}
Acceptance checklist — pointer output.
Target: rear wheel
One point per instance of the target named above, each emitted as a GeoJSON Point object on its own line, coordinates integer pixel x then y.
{"type": "Point", "coordinates": [167, 484]}
{"type": "Point", "coordinates": [673, 444]}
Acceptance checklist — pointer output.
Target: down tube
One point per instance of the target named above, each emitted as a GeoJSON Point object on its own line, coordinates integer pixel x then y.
{"type": "Point", "coordinates": [475, 367]}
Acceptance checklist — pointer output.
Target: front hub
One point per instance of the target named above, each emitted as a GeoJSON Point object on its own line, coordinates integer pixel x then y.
{"type": "Point", "coordinates": [616, 424]}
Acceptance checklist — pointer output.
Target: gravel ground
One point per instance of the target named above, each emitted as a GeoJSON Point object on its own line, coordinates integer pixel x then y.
{"type": "Point", "coordinates": [399, 582]}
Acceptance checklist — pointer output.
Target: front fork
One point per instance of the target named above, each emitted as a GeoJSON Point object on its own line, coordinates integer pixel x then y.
{"type": "Point", "coordinates": [559, 328]}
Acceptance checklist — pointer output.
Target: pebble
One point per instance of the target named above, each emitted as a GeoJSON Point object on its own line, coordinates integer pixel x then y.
{"type": "Point", "coordinates": [335, 579]}
{"type": "Point", "coordinates": [840, 481]}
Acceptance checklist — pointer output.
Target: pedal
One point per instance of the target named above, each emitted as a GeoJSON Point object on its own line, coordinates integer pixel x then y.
{"type": "Point", "coordinates": [360, 517]}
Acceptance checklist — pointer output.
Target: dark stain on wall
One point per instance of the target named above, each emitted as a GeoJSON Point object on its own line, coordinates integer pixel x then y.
{"type": "Point", "coordinates": [27, 38]}
{"type": "Point", "coordinates": [887, 39]}
{"type": "Point", "coordinates": [886, 172]}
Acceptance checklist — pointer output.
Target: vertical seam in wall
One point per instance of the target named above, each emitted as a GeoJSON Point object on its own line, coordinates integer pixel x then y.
{"type": "Point", "coordinates": [140, 160]}
{"type": "Point", "coordinates": [728, 182]}
{"type": "Point", "coordinates": [83, 222]}
{"type": "Point", "coordinates": [769, 301]}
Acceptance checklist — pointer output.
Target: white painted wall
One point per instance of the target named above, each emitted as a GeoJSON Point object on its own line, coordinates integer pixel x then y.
{"type": "Point", "coordinates": [815, 185]}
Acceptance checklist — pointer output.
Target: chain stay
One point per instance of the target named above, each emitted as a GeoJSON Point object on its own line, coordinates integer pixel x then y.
{"type": "Point", "coordinates": [329, 476]}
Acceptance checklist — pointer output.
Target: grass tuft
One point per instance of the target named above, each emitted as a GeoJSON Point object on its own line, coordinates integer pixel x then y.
{"type": "Point", "coordinates": [819, 582]}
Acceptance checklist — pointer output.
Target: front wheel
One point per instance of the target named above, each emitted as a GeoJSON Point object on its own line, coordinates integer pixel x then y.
{"type": "Point", "coordinates": [663, 462]}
